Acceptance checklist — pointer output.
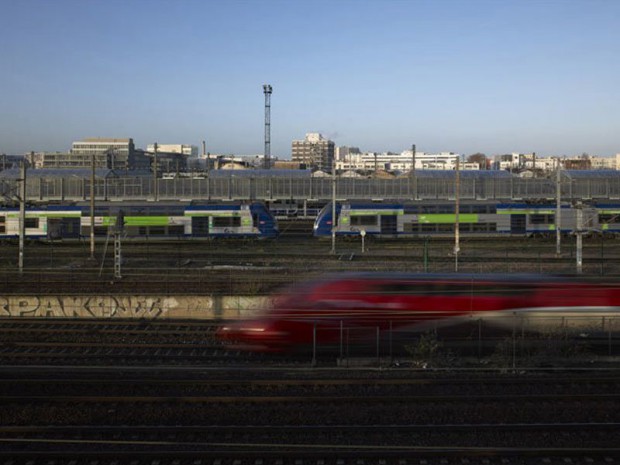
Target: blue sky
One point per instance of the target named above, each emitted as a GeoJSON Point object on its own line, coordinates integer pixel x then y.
{"type": "Point", "coordinates": [463, 76]}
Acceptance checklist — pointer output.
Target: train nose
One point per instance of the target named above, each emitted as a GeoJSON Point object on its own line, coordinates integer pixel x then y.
{"type": "Point", "coordinates": [237, 331]}
{"type": "Point", "coordinates": [250, 335]}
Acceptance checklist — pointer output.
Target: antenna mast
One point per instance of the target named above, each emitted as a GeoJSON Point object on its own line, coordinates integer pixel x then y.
{"type": "Point", "coordinates": [267, 91]}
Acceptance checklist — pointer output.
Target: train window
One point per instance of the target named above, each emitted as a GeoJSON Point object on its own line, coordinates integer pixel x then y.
{"type": "Point", "coordinates": [2, 219]}
{"type": "Point", "coordinates": [410, 227]}
{"type": "Point", "coordinates": [445, 208]}
{"type": "Point", "coordinates": [430, 289]}
{"type": "Point", "coordinates": [500, 289]}
{"type": "Point", "coordinates": [428, 227]}
{"type": "Point", "coordinates": [157, 230]}
{"type": "Point", "coordinates": [606, 218]}
{"type": "Point", "coordinates": [142, 231]}
{"type": "Point", "coordinates": [132, 230]}
{"type": "Point", "coordinates": [31, 223]}
{"type": "Point", "coordinates": [445, 227]}
{"type": "Point", "coordinates": [2, 229]}
{"type": "Point", "coordinates": [176, 230]}
{"type": "Point", "coordinates": [226, 221]}
{"type": "Point", "coordinates": [364, 220]}
{"type": "Point", "coordinates": [138, 212]}
{"type": "Point", "coordinates": [404, 289]}
{"type": "Point", "coordinates": [537, 218]}
{"type": "Point", "coordinates": [101, 230]}
{"type": "Point", "coordinates": [200, 225]}
{"type": "Point", "coordinates": [479, 208]}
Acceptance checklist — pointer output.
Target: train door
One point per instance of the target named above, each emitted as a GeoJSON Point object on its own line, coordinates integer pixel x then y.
{"type": "Point", "coordinates": [517, 224]}
{"type": "Point", "coordinates": [200, 225]}
{"type": "Point", "coordinates": [67, 228]}
{"type": "Point", "coordinates": [255, 220]}
{"type": "Point", "coordinates": [389, 224]}
{"type": "Point", "coordinates": [54, 228]}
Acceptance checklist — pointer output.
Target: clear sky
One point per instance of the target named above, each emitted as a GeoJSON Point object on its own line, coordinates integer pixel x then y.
{"type": "Point", "coordinates": [493, 76]}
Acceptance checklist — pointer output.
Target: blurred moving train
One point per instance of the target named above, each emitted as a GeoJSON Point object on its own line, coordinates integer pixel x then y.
{"type": "Point", "coordinates": [367, 306]}
{"type": "Point", "coordinates": [157, 220]}
{"type": "Point", "coordinates": [428, 218]}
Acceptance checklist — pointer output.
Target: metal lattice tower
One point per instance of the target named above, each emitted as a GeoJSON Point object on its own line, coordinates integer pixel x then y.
{"type": "Point", "coordinates": [267, 91]}
{"type": "Point", "coordinates": [119, 228]}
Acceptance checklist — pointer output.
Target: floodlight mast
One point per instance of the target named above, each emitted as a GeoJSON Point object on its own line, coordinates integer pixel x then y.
{"type": "Point", "coordinates": [267, 90]}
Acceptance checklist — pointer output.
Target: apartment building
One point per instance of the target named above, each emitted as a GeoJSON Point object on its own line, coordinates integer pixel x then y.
{"type": "Point", "coordinates": [314, 152]}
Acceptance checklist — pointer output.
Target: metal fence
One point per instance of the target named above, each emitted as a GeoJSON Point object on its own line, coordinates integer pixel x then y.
{"type": "Point", "coordinates": [512, 340]}
{"type": "Point", "coordinates": [279, 188]}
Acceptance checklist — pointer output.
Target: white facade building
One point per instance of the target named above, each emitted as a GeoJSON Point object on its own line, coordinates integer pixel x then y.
{"type": "Point", "coordinates": [189, 150]}
{"type": "Point", "coordinates": [606, 163]}
{"type": "Point", "coordinates": [527, 161]}
{"type": "Point", "coordinates": [371, 161]}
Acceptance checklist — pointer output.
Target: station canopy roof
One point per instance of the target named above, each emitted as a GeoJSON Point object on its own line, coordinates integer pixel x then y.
{"type": "Point", "coordinates": [260, 173]}
{"type": "Point", "coordinates": [591, 174]}
{"type": "Point", "coordinates": [469, 174]}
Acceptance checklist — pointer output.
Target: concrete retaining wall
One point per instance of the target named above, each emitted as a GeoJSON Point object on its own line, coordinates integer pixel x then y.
{"type": "Point", "coordinates": [133, 306]}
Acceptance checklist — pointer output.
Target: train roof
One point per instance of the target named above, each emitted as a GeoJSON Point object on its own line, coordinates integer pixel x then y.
{"type": "Point", "coordinates": [451, 277]}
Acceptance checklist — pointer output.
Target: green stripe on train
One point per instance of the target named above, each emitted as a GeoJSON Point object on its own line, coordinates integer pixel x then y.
{"type": "Point", "coordinates": [448, 218]}
{"type": "Point", "coordinates": [375, 212]}
{"type": "Point", "coordinates": [139, 220]}
{"type": "Point", "coordinates": [208, 213]}
{"type": "Point", "coordinates": [526, 211]}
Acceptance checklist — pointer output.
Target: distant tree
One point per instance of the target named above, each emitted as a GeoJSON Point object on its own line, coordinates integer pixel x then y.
{"type": "Point", "coordinates": [479, 158]}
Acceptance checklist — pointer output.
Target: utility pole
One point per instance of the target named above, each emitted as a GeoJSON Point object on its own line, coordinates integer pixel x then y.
{"type": "Point", "coordinates": [413, 178]}
{"type": "Point", "coordinates": [558, 208]}
{"type": "Point", "coordinates": [22, 215]}
{"type": "Point", "coordinates": [92, 206]}
{"type": "Point", "coordinates": [119, 227]}
{"type": "Point", "coordinates": [579, 234]}
{"type": "Point", "coordinates": [333, 251]}
{"type": "Point", "coordinates": [155, 186]}
{"type": "Point", "coordinates": [267, 91]}
{"type": "Point", "coordinates": [207, 155]}
{"type": "Point", "coordinates": [457, 188]}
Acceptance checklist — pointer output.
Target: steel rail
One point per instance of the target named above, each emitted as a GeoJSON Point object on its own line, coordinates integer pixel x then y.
{"type": "Point", "coordinates": [319, 399]}
{"type": "Point", "coordinates": [288, 382]}
{"type": "Point", "coordinates": [183, 429]}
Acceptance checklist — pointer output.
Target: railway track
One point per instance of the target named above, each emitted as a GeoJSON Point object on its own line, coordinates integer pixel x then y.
{"type": "Point", "coordinates": [68, 455]}
{"type": "Point", "coordinates": [192, 267]}
{"type": "Point", "coordinates": [113, 342]}
{"type": "Point", "coordinates": [306, 417]}
{"type": "Point", "coordinates": [106, 342]}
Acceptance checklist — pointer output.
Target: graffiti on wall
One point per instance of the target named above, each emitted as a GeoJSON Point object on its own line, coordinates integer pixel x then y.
{"type": "Point", "coordinates": [88, 306]}
{"type": "Point", "coordinates": [135, 306]}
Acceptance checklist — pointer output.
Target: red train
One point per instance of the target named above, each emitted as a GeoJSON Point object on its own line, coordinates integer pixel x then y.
{"type": "Point", "coordinates": [364, 306]}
